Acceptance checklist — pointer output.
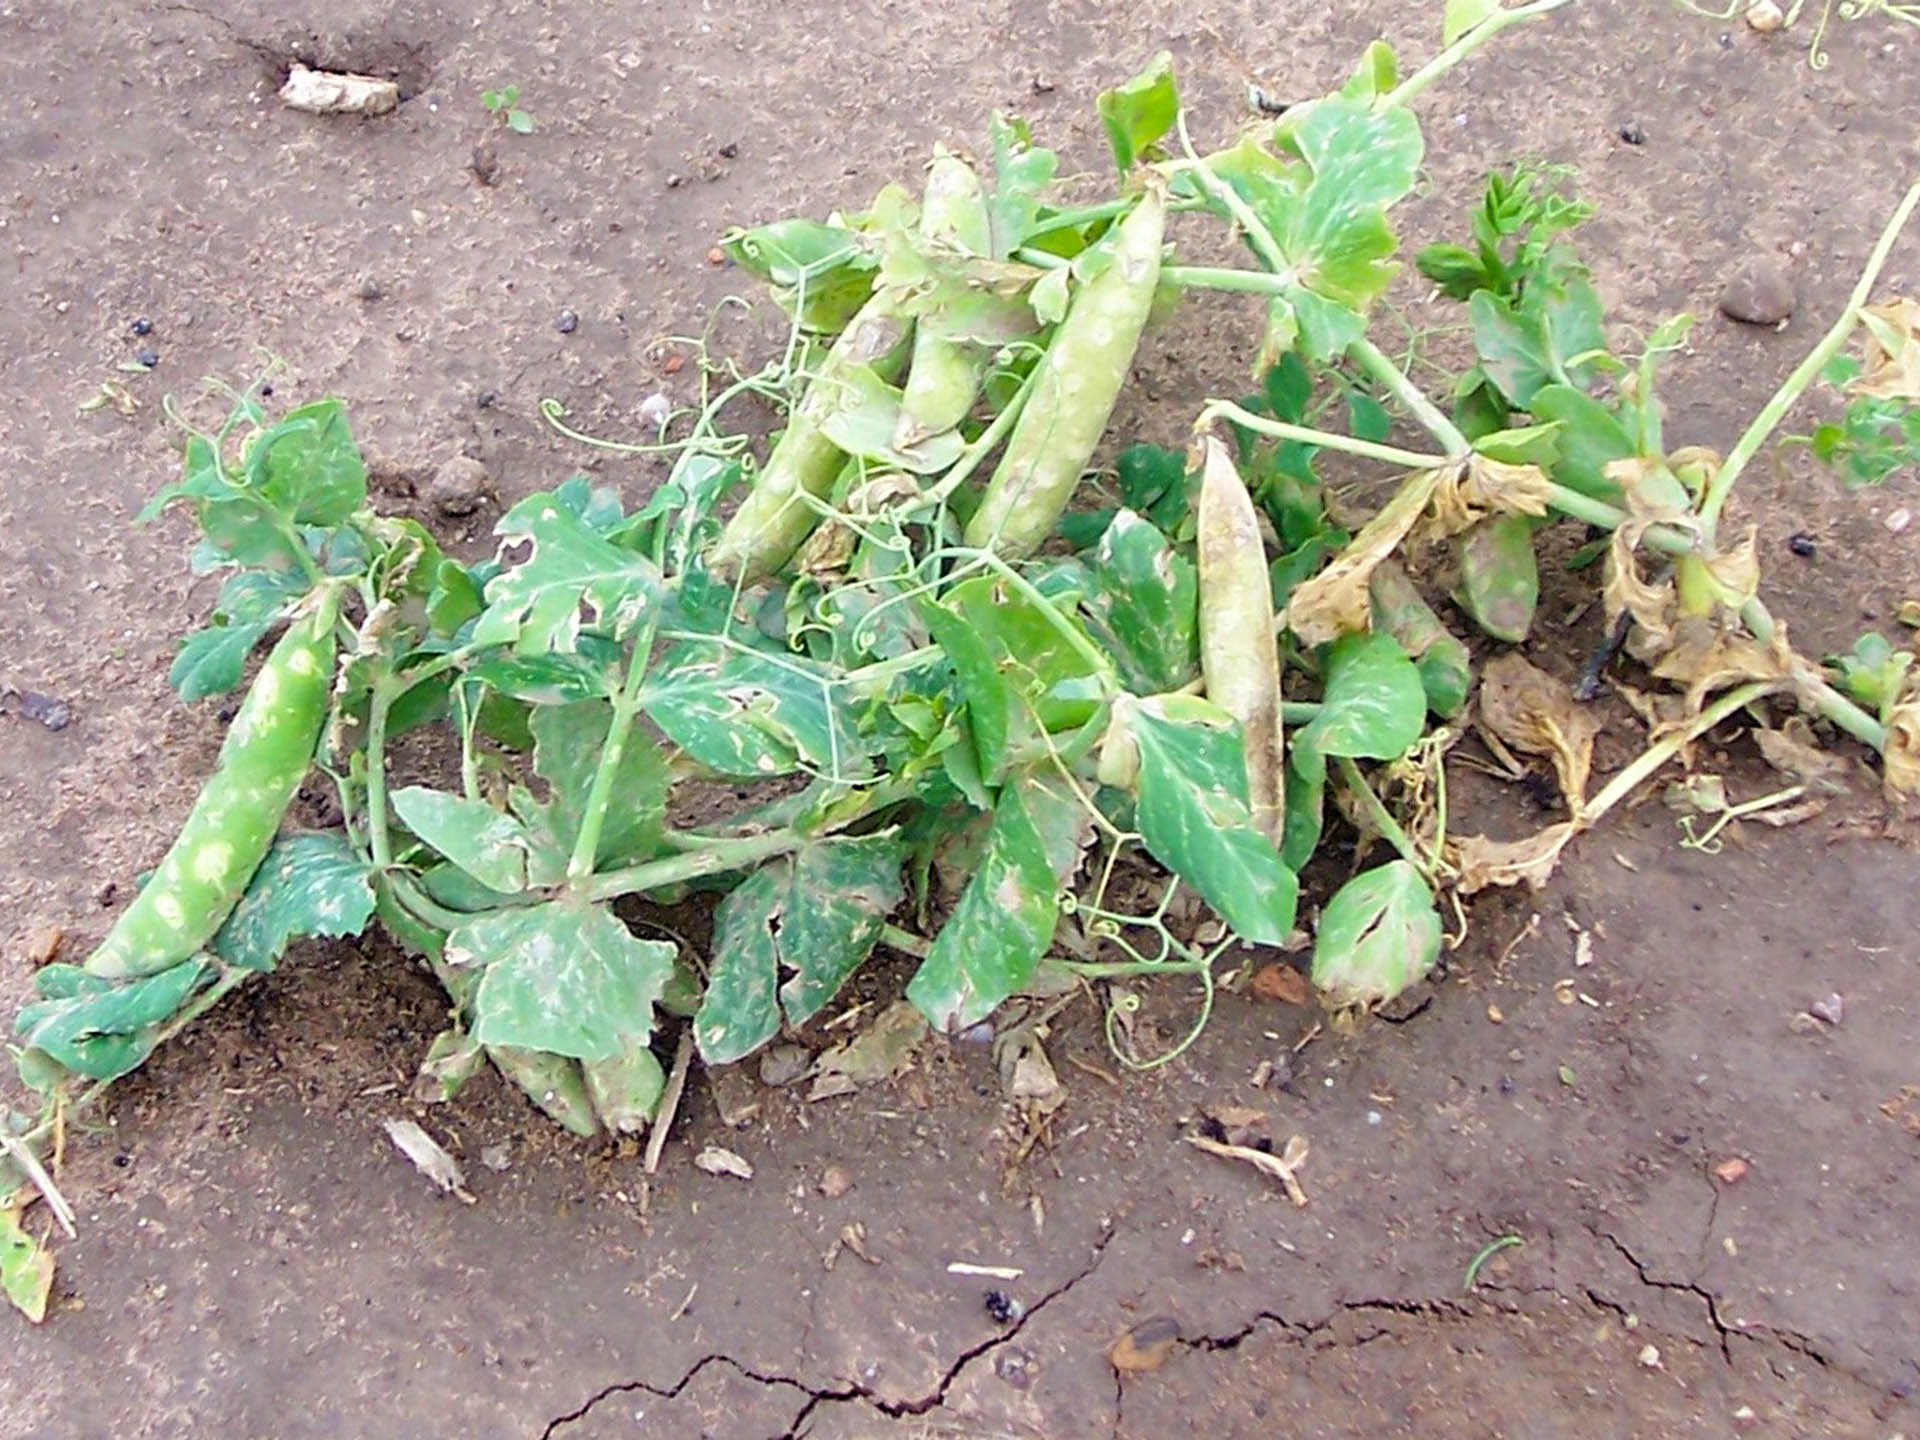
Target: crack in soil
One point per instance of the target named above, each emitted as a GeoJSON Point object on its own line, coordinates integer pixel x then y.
{"type": "Point", "coordinates": [817, 1395]}
{"type": "Point", "coordinates": [1689, 1287]}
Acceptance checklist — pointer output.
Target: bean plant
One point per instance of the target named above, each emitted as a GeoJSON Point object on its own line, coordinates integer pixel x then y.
{"type": "Point", "coordinates": [928, 639]}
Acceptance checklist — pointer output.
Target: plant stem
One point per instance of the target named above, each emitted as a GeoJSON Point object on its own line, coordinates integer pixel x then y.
{"type": "Point", "coordinates": [905, 941]}
{"type": "Point", "coordinates": [1223, 277]}
{"type": "Point", "coordinates": [717, 858]}
{"type": "Point", "coordinates": [1106, 210]}
{"type": "Point", "coordinates": [1500, 20]}
{"type": "Point", "coordinates": [1390, 829]}
{"type": "Point", "coordinates": [963, 468]}
{"type": "Point", "coordinates": [1257, 234]}
{"type": "Point", "coordinates": [1658, 754]}
{"type": "Point", "coordinates": [379, 702]}
{"type": "Point", "coordinates": [1375, 363]}
{"type": "Point", "coordinates": [1775, 410]}
{"type": "Point", "coordinates": [1326, 440]}
{"type": "Point", "coordinates": [626, 707]}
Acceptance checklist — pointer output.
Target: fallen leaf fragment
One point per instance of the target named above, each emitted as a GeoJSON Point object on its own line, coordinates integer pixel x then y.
{"type": "Point", "coordinates": [1283, 1167]}
{"type": "Point", "coordinates": [878, 1053]}
{"type": "Point", "coordinates": [1283, 984]}
{"type": "Point", "coordinates": [718, 1160]}
{"type": "Point", "coordinates": [327, 92]}
{"type": "Point", "coordinates": [428, 1157]}
{"type": "Point", "coordinates": [1146, 1346]}
{"type": "Point", "coordinates": [1532, 712]}
{"type": "Point", "coordinates": [835, 1182]}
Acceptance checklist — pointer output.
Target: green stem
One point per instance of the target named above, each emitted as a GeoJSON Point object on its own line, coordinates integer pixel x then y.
{"type": "Point", "coordinates": [1382, 819]}
{"type": "Point", "coordinates": [1643, 768]}
{"type": "Point", "coordinates": [1065, 628]}
{"type": "Point", "coordinates": [1223, 277]}
{"type": "Point", "coordinates": [626, 708]}
{"type": "Point", "coordinates": [379, 836]}
{"type": "Point", "coordinates": [1120, 969]}
{"type": "Point", "coordinates": [1257, 234]}
{"type": "Point", "coordinates": [716, 859]}
{"type": "Point", "coordinates": [1775, 410]}
{"type": "Point", "coordinates": [1371, 359]}
{"type": "Point", "coordinates": [963, 468]}
{"type": "Point", "coordinates": [1326, 440]}
{"type": "Point", "coordinates": [1106, 210]}
{"type": "Point", "coordinates": [1500, 20]}
{"type": "Point", "coordinates": [905, 941]}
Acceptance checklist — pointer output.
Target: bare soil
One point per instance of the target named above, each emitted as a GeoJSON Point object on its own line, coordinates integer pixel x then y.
{"type": "Point", "coordinates": [256, 1260]}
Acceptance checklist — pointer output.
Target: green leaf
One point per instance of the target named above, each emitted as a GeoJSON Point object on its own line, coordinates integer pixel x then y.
{"type": "Point", "coordinates": [865, 417]}
{"type": "Point", "coordinates": [212, 660]}
{"type": "Point", "coordinates": [815, 914]}
{"type": "Point", "coordinates": [491, 846]}
{"type": "Point", "coordinates": [1499, 576]}
{"type": "Point", "coordinates": [1456, 270]}
{"type": "Point", "coordinates": [682, 511]}
{"type": "Point", "coordinates": [1376, 74]}
{"type": "Point", "coordinates": [1306, 796]}
{"type": "Point", "coordinates": [308, 467]}
{"type": "Point", "coordinates": [311, 884]}
{"type": "Point", "coordinates": [822, 274]}
{"type": "Point", "coordinates": [26, 1268]}
{"type": "Point", "coordinates": [559, 679]}
{"type": "Point", "coordinates": [1465, 15]}
{"type": "Point", "coordinates": [1379, 935]}
{"type": "Point", "coordinates": [1004, 922]}
{"type": "Point", "coordinates": [1324, 199]}
{"type": "Point", "coordinates": [101, 1028]}
{"type": "Point", "coordinates": [562, 977]}
{"type": "Point", "coordinates": [1590, 438]}
{"type": "Point", "coordinates": [1540, 341]}
{"type": "Point", "coordinates": [1373, 707]}
{"type": "Point", "coordinates": [1143, 605]}
{"type": "Point", "coordinates": [1367, 418]}
{"type": "Point", "coordinates": [1139, 114]}
{"type": "Point", "coordinates": [1021, 174]}
{"type": "Point", "coordinates": [1020, 675]}
{"type": "Point", "coordinates": [1522, 445]}
{"type": "Point", "coordinates": [1153, 480]}
{"type": "Point", "coordinates": [573, 583]}
{"type": "Point", "coordinates": [752, 715]}
{"type": "Point", "coordinates": [520, 122]}
{"type": "Point", "coordinates": [1194, 817]}
{"type": "Point", "coordinates": [567, 741]}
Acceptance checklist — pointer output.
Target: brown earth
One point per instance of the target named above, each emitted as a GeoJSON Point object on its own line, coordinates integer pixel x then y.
{"type": "Point", "coordinates": [255, 1260]}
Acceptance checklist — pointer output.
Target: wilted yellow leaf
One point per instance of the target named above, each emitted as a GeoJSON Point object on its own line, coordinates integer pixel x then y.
{"type": "Point", "coordinates": [1482, 487]}
{"type": "Point", "coordinates": [1892, 364]}
{"type": "Point", "coordinates": [1480, 862]}
{"type": "Point", "coordinates": [1338, 601]}
{"type": "Point", "coordinates": [1530, 711]}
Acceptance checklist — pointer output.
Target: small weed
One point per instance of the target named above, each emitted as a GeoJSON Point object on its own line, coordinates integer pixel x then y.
{"type": "Point", "coordinates": [504, 103]}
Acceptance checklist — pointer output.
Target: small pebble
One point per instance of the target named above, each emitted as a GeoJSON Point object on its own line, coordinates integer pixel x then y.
{"type": "Point", "coordinates": [716, 256]}
{"type": "Point", "coordinates": [1765, 16]}
{"type": "Point", "coordinates": [141, 326]}
{"type": "Point", "coordinates": [1802, 544]}
{"type": "Point", "coordinates": [370, 290]}
{"type": "Point", "coordinates": [486, 400]}
{"type": "Point", "coordinates": [656, 410]}
{"type": "Point", "coordinates": [43, 709]}
{"type": "Point", "coordinates": [1899, 520]}
{"type": "Point", "coordinates": [1829, 1008]}
{"type": "Point", "coordinates": [146, 355]}
{"type": "Point", "coordinates": [1632, 133]}
{"type": "Point", "coordinates": [458, 486]}
{"type": "Point", "coordinates": [1373, 1117]}
{"type": "Point", "coordinates": [730, 151]}
{"type": "Point", "coordinates": [496, 1157]}
{"type": "Point", "coordinates": [1146, 1346]}
{"type": "Point", "coordinates": [1758, 292]}
{"type": "Point", "coordinates": [835, 1182]}
{"type": "Point", "coordinates": [1650, 1357]}
{"type": "Point", "coordinates": [1506, 1084]}
{"type": "Point", "coordinates": [1004, 1309]}
{"type": "Point", "coordinates": [567, 323]}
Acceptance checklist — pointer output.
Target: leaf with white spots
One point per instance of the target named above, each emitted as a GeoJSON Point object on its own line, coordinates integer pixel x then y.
{"type": "Point", "coordinates": [1143, 602]}
{"type": "Point", "coordinates": [309, 885]}
{"type": "Point", "coordinates": [563, 977]}
{"type": "Point", "coordinates": [26, 1269]}
{"type": "Point", "coordinates": [104, 1028]}
{"type": "Point", "coordinates": [572, 582]}
{"type": "Point", "coordinates": [753, 715]}
{"type": "Point", "coordinates": [493, 847]}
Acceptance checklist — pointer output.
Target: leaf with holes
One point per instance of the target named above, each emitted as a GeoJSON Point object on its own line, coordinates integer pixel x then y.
{"type": "Point", "coordinates": [1194, 817]}
{"type": "Point", "coordinates": [103, 1028]}
{"type": "Point", "coordinates": [573, 582]}
{"type": "Point", "coordinates": [753, 715]}
{"type": "Point", "coordinates": [1379, 935]}
{"type": "Point", "coordinates": [563, 977]}
{"type": "Point", "coordinates": [309, 885]}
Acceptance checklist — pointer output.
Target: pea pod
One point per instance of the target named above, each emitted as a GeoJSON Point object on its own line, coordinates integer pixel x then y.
{"type": "Point", "coordinates": [1446, 670]}
{"type": "Point", "coordinates": [262, 762]}
{"type": "Point", "coordinates": [944, 377]}
{"type": "Point", "coordinates": [1074, 390]}
{"type": "Point", "coordinates": [774, 520]}
{"type": "Point", "coordinates": [1238, 654]}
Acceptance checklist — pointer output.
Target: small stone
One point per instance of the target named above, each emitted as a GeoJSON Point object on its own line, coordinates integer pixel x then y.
{"type": "Point", "coordinates": [566, 322]}
{"type": "Point", "coordinates": [1759, 292]}
{"type": "Point", "coordinates": [718, 1160]}
{"type": "Point", "coordinates": [1829, 1008]}
{"type": "Point", "coordinates": [104, 893]}
{"type": "Point", "coordinates": [835, 1182]}
{"type": "Point", "coordinates": [1730, 1171]}
{"type": "Point", "coordinates": [1632, 133]}
{"type": "Point", "coordinates": [1015, 1366]}
{"type": "Point", "coordinates": [1744, 1418]}
{"type": "Point", "coordinates": [673, 364]}
{"type": "Point", "coordinates": [497, 1157]}
{"type": "Point", "coordinates": [1899, 520]}
{"type": "Point", "coordinates": [1765, 16]}
{"type": "Point", "coordinates": [146, 355]}
{"type": "Point", "coordinates": [485, 163]}
{"type": "Point", "coordinates": [784, 1064]}
{"type": "Point", "coordinates": [54, 714]}
{"type": "Point", "coordinates": [1802, 544]}
{"type": "Point", "coordinates": [141, 326]}
{"type": "Point", "coordinates": [44, 948]}
{"type": "Point", "coordinates": [369, 290]}
{"type": "Point", "coordinates": [1650, 1357]}
{"type": "Point", "coordinates": [716, 256]}
{"type": "Point", "coordinates": [1146, 1346]}
{"type": "Point", "coordinates": [730, 151]}
{"type": "Point", "coordinates": [656, 410]}
{"type": "Point", "coordinates": [458, 487]}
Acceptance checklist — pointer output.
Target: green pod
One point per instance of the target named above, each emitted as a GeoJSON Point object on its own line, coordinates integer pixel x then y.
{"type": "Point", "coordinates": [626, 1090]}
{"type": "Point", "coordinates": [262, 762]}
{"type": "Point", "coordinates": [774, 520]}
{"type": "Point", "coordinates": [943, 379]}
{"type": "Point", "coordinates": [1499, 576]}
{"type": "Point", "coordinates": [1239, 656]}
{"type": "Point", "coordinates": [553, 1082]}
{"type": "Point", "coordinates": [1074, 390]}
{"type": "Point", "coordinates": [1399, 609]}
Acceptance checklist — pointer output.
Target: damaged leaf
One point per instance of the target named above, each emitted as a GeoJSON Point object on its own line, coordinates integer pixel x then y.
{"type": "Point", "coordinates": [1530, 711]}
{"type": "Point", "coordinates": [1338, 601]}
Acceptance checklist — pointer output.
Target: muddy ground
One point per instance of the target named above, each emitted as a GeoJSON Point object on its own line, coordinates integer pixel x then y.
{"type": "Point", "coordinates": [256, 1260]}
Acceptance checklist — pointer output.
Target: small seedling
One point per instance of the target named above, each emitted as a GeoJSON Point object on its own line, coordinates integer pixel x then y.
{"type": "Point", "coordinates": [504, 103]}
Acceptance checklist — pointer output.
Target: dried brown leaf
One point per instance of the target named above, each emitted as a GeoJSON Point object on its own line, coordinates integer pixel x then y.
{"type": "Point", "coordinates": [1283, 1167]}
{"type": "Point", "coordinates": [1891, 368]}
{"type": "Point", "coordinates": [880, 1053]}
{"type": "Point", "coordinates": [1338, 601]}
{"type": "Point", "coordinates": [1532, 712]}
{"type": "Point", "coordinates": [1483, 487]}
{"type": "Point", "coordinates": [1901, 758]}
{"type": "Point", "coordinates": [1480, 862]}
{"type": "Point", "coordinates": [1706, 657]}
{"type": "Point", "coordinates": [1278, 982]}
{"type": "Point", "coordinates": [1793, 751]}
